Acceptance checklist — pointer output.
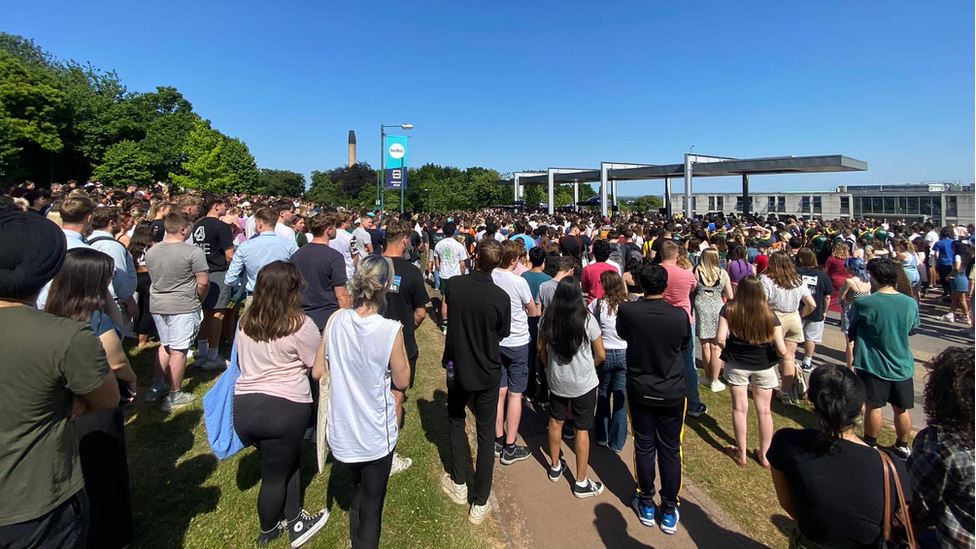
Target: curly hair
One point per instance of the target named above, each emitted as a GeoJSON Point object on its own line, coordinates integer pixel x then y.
{"type": "Point", "coordinates": [949, 393]}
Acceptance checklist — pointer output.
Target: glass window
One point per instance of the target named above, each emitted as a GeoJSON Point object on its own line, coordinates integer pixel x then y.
{"type": "Point", "coordinates": [912, 205]}
{"type": "Point", "coordinates": [771, 206]}
{"type": "Point", "coordinates": [805, 204]}
{"type": "Point", "coordinates": [711, 203]}
{"type": "Point", "coordinates": [877, 204]}
{"type": "Point", "coordinates": [889, 204]}
{"type": "Point", "coordinates": [865, 204]}
{"type": "Point", "coordinates": [719, 203]}
{"type": "Point", "coordinates": [694, 202]}
{"type": "Point", "coordinates": [925, 205]}
{"type": "Point", "coordinates": [845, 205]}
{"type": "Point", "coordinates": [817, 204]}
{"type": "Point", "coordinates": [781, 204]}
{"type": "Point", "coordinates": [950, 206]}
{"type": "Point", "coordinates": [936, 207]}
{"type": "Point", "coordinates": [901, 204]}
{"type": "Point", "coordinates": [738, 204]}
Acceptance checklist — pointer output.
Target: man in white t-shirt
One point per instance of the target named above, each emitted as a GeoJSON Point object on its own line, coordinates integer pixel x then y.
{"type": "Point", "coordinates": [286, 213]}
{"type": "Point", "coordinates": [449, 257]}
{"type": "Point", "coordinates": [342, 243]}
{"type": "Point", "coordinates": [515, 356]}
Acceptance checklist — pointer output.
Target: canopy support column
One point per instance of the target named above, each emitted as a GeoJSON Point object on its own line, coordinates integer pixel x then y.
{"type": "Point", "coordinates": [688, 209]}
{"type": "Point", "coordinates": [667, 197]}
{"type": "Point", "coordinates": [552, 192]}
{"type": "Point", "coordinates": [746, 200]}
{"type": "Point", "coordinates": [576, 195]}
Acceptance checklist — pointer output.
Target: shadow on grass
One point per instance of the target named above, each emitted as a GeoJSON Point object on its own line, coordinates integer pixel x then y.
{"type": "Point", "coordinates": [705, 426]}
{"type": "Point", "coordinates": [160, 484]}
{"type": "Point", "coordinates": [704, 532]}
{"type": "Point", "coordinates": [436, 425]}
{"type": "Point", "coordinates": [784, 524]}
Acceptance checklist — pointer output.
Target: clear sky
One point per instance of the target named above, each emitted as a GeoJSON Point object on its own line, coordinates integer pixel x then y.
{"type": "Point", "coordinates": [532, 84]}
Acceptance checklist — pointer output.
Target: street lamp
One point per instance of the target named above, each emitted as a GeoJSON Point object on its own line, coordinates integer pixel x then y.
{"type": "Point", "coordinates": [380, 195]}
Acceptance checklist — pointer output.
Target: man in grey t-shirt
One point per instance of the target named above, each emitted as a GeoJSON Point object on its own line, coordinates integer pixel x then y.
{"type": "Point", "coordinates": [180, 280]}
{"type": "Point", "coordinates": [567, 266]}
{"type": "Point", "coordinates": [362, 238]}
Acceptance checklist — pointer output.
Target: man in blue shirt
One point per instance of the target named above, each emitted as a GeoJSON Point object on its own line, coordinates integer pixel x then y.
{"type": "Point", "coordinates": [76, 216]}
{"type": "Point", "coordinates": [106, 223]}
{"type": "Point", "coordinates": [264, 248]}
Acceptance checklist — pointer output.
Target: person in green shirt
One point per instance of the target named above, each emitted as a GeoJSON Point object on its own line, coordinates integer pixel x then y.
{"type": "Point", "coordinates": [880, 326]}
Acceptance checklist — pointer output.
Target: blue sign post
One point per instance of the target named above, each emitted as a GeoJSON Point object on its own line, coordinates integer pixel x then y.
{"type": "Point", "coordinates": [396, 162]}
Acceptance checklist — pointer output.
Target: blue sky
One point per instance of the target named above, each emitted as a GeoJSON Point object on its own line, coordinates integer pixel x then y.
{"type": "Point", "coordinates": [534, 84]}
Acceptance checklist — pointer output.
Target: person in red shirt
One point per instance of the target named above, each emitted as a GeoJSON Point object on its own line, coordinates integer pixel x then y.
{"type": "Point", "coordinates": [681, 285]}
{"type": "Point", "coordinates": [591, 273]}
{"type": "Point", "coordinates": [762, 260]}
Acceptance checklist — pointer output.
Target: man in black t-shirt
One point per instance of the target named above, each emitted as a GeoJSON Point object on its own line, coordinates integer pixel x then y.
{"type": "Point", "coordinates": [821, 288]}
{"type": "Point", "coordinates": [215, 238]}
{"type": "Point", "coordinates": [157, 229]}
{"type": "Point", "coordinates": [324, 271]}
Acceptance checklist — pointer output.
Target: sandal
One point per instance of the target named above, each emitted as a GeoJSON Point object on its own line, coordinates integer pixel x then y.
{"type": "Point", "coordinates": [755, 456]}
{"type": "Point", "coordinates": [733, 453]}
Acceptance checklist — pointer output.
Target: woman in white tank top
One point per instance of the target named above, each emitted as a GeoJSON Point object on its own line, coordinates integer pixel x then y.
{"type": "Point", "coordinates": [365, 355]}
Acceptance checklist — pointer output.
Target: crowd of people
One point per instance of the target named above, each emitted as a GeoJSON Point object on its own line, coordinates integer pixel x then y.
{"type": "Point", "coordinates": [591, 319]}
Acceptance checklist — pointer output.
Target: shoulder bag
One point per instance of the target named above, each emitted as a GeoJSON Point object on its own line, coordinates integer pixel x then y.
{"type": "Point", "coordinates": [897, 530]}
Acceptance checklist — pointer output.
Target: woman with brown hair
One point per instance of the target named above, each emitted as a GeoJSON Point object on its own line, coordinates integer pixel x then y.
{"type": "Point", "coordinates": [713, 285]}
{"type": "Point", "coordinates": [276, 346]}
{"type": "Point", "coordinates": [80, 292]}
{"type": "Point", "coordinates": [611, 418]}
{"type": "Point", "coordinates": [785, 291]}
{"type": "Point", "coordinates": [751, 340]}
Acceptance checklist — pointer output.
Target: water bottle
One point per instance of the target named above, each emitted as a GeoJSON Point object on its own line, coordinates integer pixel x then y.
{"type": "Point", "coordinates": [450, 374]}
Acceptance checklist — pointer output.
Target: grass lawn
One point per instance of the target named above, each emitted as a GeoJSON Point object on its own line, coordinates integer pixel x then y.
{"type": "Point", "coordinates": [182, 496]}
{"type": "Point", "coordinates": [746, 494]}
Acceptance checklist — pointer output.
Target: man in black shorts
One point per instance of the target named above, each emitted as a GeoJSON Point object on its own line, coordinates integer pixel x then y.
{"type": "Point", "coordinates": [406, 302]}
{"type": "Point", "coordinates": [214, 237]}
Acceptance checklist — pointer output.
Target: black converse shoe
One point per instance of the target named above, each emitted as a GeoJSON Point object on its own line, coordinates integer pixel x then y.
{"type": "Point", "coordinates": [556, 474]}
{"type": "Point", "coordinates": [305, 526]}
{"type": "Point", "coordinates": [266, 538]}
{"type": "Point", "coordinates": [588, 490]}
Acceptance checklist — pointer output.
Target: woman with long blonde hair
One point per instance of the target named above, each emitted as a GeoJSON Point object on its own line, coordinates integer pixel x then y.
{"type": "Point", "coordinates": [835, 267]}
{"type": "Point", "coordinates": [714, 286]}
{"type": "Point", "coordinates": [751, 340]}
{"type": "Point", "coordinates": [785, 291]}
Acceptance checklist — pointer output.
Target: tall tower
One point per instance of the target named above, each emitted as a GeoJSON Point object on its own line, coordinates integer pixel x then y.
{"type": "Point", "coordinates": [352, 147]}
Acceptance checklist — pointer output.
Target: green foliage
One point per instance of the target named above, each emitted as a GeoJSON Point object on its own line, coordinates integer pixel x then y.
{"type": "Point", "coordinates": [343, 186]}
{"type": "Point", "coordinates": [323, 189]}
{"type": "Point", "coordinates": [239, 162]}
{"type": "Point", "coordinates": [29, 105]}
{"type": "Point", "coordinates": [124, 163]}
{"type": "Point", "coordinates": [280, 183]}
{"type": "Point", "coordinates": [203, 168]}
{"type": "Point", "coordinates": [644, 204]}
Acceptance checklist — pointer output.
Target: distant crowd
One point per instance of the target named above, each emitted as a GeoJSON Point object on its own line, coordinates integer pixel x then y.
{"type": "Point", "coordinates": [591, 319]}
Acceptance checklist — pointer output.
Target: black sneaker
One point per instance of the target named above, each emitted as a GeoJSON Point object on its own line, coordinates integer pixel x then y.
{"type": "Point", "coordinates": [555, 474]}
{"type": "Point", "coordinates": [514, 453]}
{"type": "Point", "coordinates": [589, 490]}
{"type": "Point", "coordinates": [568, 432]}
{"type": "Point", "coordinates": [267, 537]}
{"type": "Point", "coordinates": [305, 526]}
{"type": "Point", "coordinates": [902, 452]}
{"type": "Point", "coordinates": [698, 411]}
{"type": "Point", "coordinates": [498, 449]}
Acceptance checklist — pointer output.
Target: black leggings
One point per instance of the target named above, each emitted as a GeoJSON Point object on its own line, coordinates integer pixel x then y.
{"type": "Point", "coordinates": [276, 426]}
{"type": "Point", "coordinates": [368, 494]}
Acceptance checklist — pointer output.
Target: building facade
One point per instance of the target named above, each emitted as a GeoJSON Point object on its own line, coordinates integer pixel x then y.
{"type": "Point", "coordinates": [944, 202]}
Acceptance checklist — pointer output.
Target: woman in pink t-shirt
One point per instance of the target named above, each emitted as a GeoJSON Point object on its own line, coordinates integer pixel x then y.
{"type": "Point", "coordinates": [276, 346]}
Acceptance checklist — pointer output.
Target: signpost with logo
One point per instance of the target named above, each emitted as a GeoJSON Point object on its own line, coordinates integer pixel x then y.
{"type": "Point", "coordinates": [396, 162]}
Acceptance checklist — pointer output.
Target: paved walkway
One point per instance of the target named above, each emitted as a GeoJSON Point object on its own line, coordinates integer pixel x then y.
{"type": "Point", "coordinates": [540, 514]}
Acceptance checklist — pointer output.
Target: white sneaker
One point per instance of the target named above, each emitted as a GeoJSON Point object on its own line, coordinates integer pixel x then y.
{"type": "Point", "coordinates": [478, 513]}
{"type": "Point", "coordinates": [400, 464]}
{"type": "Point", "coordinates": [457, 492]}
{"type": "Point", "coordinates": [176, 400]}
{"type": "Point", "coordinates": [716, 386]}
{"type": "Point", "coordinates": [948, 317]}
{"type": "Point", "coordinates": [703, 380]}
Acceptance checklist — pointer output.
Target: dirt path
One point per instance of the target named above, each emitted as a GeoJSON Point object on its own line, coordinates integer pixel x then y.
{"type": "Point", "coordinates": [540, 514]}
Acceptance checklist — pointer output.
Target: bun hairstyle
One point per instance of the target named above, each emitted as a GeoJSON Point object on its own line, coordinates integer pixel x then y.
{"type": "Point", "coordinates": [370, 282]}
{"type": "Point", "coordinates": [838, 398]}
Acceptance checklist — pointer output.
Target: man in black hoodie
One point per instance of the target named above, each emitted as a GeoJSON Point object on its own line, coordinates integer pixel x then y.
{"type": "Point", "coordinates": [656, 332]}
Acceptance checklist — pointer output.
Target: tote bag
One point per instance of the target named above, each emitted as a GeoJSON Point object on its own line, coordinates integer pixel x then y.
{"type": "Point", "coordinates": [218, 412]}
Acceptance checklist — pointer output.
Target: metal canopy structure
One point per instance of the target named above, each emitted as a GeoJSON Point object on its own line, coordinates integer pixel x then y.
{"type": "Point", "coordinates": [694, 165]}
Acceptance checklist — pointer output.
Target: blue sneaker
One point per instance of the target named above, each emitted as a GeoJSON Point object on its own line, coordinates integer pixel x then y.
{"type": "Point", "coordinates": [669, 522]}
{"type": "Point", "coordinates": [644, 513]}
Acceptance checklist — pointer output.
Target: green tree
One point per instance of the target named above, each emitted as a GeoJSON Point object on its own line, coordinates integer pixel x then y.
{"type": "Point", "coordinates": [280, 183]}
{"type": "Point", "coordinates": [645, 204]}
{"type": "Point", "coordinates": [124, 163]}
{"type": "Point", "coordinates": [203, 168]}
{"type": "Point", "coordinates": [29, 105]}
{"type": "Point", "coordinates": [323, 190]}
{"type": "Point", "coordinates": [239, 163]}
